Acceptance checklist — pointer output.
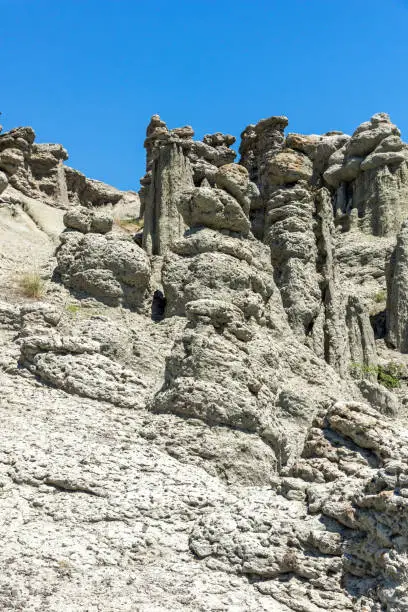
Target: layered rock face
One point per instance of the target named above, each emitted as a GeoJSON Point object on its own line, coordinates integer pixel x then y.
{"type": "Point", "coordinates": [331, 208]}
{"type": "Point", "coordinates": [37, 171]}
{"type": "Point", "coordinates": [225, 369]}
{"type": "Point", "coordinates": [204, 401]}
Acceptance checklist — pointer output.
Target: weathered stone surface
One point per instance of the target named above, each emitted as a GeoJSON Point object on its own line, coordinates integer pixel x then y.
{"type": "Point", "coordinates": [78, 367]}
{"type": "Point", "coordinates": [360, 334]}
{"type": "Point", "coordinates": [341, 502]}
{"type": "Point", "coordinates": [235, 180]}
{"type": "Point", "coordinates": [318, 148]}
{"type": "Point", "coordinates": [377, 159]}
{"type": "Point", "coordinates": [10, 160]}
{"type": "Point", "coordinates": [380, 196]}
{"type": "Point", "coordinates": [213, 208]}
{"type": "Point", "coordinates": [162, 221]}
{"type": "Point", "coordinates": [368, 135]}
{"type": "Point", "coordinates": [219, 423]}
{"type": "Point", "coordinates": [87, 220]}
{"type": "Point", "coordinates": [45, 156]}
{"type": "Point", "coordinates": [112, 269]}
{"type": "Point", "coordinates": [3, 181]}
{"type": "Point", "coordinates": [288, 166]}
{"type": "Point", "coordinates": [37, 171]}
{"type": "Point", "coordinates": [260, 142]}
{"type": "Point", "coordinates": [343, 172]}
{"type": "Point", "coordinates": [369, 174]}
{"type": "Point", "coordinates": [289, 232]}
{"type": "Point", "coordinates": [207, 261]}
{"type": "Point", "coordinates": [397, 303]}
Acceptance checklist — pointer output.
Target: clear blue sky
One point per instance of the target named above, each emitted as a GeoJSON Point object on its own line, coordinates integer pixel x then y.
{"type": "Point", "coordinates": [90, 73]}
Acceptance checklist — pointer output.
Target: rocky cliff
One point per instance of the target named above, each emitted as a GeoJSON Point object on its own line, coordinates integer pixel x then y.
{"type": "Point", "coordinates": [204, 386]}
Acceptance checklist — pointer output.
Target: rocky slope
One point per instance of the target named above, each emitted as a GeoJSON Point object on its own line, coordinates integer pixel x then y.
{"type": "Point", "coordinates": [203, 402]}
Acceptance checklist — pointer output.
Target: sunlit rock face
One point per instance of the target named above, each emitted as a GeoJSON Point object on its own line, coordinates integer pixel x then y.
{"type": "Point", "coordinates": [204, 385]}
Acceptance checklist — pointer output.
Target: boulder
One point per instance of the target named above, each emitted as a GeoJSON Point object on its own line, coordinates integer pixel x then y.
{"type": "Point", "coordinates": [112, 269]}
{"type": "Point", "coordinates": [289, 166]}
{"type": "Point", "coordinates": [369, 134]}
{"type": "Point", "coordinates": [213, 208]}
{"type": "Point", "coordinates": [87, 220]}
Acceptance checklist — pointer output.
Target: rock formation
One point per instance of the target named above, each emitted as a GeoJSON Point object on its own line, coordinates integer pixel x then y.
{"type": "Point", "coordinates": [204, 396]}
{"type": "Point", "coordinates": [174, 162]}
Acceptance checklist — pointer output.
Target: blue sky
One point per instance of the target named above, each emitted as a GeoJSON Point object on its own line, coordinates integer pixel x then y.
{"type": "Point", "coordinates": [90, 73]}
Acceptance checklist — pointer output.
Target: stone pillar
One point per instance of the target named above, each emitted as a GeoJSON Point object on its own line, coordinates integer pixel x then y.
{"type": "Point", "coordinates": [170, 175]}
{"type": "Point", "coordinates": [397, 302]}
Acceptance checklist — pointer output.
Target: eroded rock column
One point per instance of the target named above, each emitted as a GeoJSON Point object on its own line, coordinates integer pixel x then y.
{"type": "Point", "coordinates": [170, 174]}
{"type": "Point", "coordinates": [397, 303]}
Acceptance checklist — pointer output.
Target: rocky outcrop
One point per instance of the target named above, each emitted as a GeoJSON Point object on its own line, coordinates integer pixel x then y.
{"type": "Point", "coordinates": [175, 162]}
{"type": "Point", "coordinates": [41, 194]}
{"type": "Point", "coordinates": [369, 174]}
{"type": "Point", "coordinates": [397, 303]}
{"type": "Point", "coordinates": [259, 143]}
{"type": "Point", "coordinates": [289, 232]}
{"type": "Point", "coordinates": [87, 220]}
{"type": "Point", "coordinates": [38, 172]}
{"type": "Point", "coordinates": [335, 533]}
{"type": "Point", "coordinates": [319, 197]}
{"type": "Point", "coordinates": [170, 172]}
{"type": "Point", "coordinates": [78, 366]}
{"type": "Point", "coordinates": [224, 368]}
{"type": "Point", "coordinates": [109, 267]}
{"type": "Point", "coordinates": [209, 414]}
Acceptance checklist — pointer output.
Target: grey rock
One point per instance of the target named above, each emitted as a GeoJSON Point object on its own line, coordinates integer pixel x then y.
{"type": "Point", "coordinates": [376, 159]}
{"type": "Point", "coordinates": [221, 315]}
{"type": "Point", "coordinates": [318, 148]}
{"type": "Point", "coordinates": [108, 268]}
{"type": "Point", "coordinates": [397, 312]}
{"type": "Point", "coordinates": [194, 409]}
{"type": "Point", "coordinates": [288, 166]}
{"type": "Point", "coordinates": [37, 171]}
{"type": "Point", "coordinates": [171, 173]}
{"type": "Point", "coordinates": [346, 172]}
{"type": "Point", "coordinates": [79, 219]}
{"type": "Point", "coordinates": [360, 332]}
{"type": "Point", "coordinates": [214, 208]}
{"type": "Point", "coordinates": [226, 264]}
{"type": "Point", "coordinates": [88, 192]}
{"type": "Point", "coordinates": [101, 222]}
{"type": "Point", "coordinates": [235, 180]}
{"type": "Point", "coordinates": [260, 142]}
{"type": "Point", "coordinates": [76, 366]}
{"type": "Point", "coordinates": [389, 144]}
{"type": "Point", "coordinates": [378, 396]}
{"type": "Point", "coordinates": [380, 196]}
{"type": "Point", "coordinates": [17, 134]}
{"type": "Point", "coordinates": [87, 220]}
{"type": "Point", "coordinates": [368, 135]}
{"type": "Point", "coordinates": [11, 159]}
{"type": "Point", "coordinates": [202, 169]}
{"type": "Point", "coordinates": [3, 181]}
{"type": "Point", "coordinates": [44, 156]}
{"type": "Point", "coordinates": [218, 139]}
{"type": "Point", "coordinates": [218, 156]}
{"type": "Point", "coordinates": [289, 232]}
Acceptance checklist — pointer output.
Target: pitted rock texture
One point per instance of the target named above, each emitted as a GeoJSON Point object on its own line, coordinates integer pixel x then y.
{"type": "Point", "coordinates": [205, 405]}
{"type": "Point", "coordinates": [111, 268]}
